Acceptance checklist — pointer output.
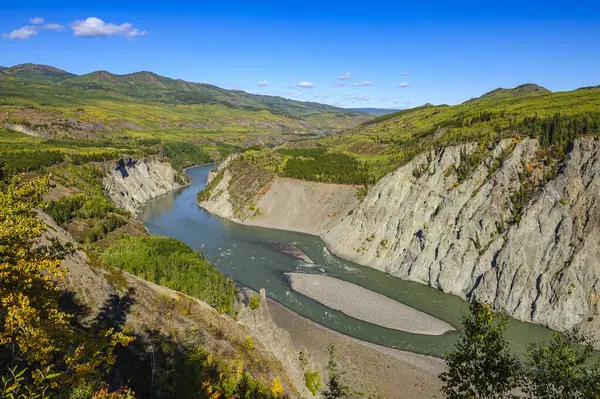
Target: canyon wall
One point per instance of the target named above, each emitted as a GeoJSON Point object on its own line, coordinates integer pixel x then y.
{"type": "Point", "coordinates": [464, 236]}
{"type": "Point", "coordinates": [132, 183]}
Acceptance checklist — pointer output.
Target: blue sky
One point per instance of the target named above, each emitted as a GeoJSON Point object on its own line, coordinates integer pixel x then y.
{"type": "Point", "coordinates": [391, 54]}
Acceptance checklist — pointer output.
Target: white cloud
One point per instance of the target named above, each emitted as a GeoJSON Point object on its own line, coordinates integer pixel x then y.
{"type": "Point", "coordinates": [95, 27]}
{"type": "Point", "coordinates": [26, 32]}
{"type": "Point", "coordinates": [338, 84]}
{"type": "Point", "coordinates": [363, 98]}
{"type": "Point", "coordinates": [347, 75]}
{"type": "Point", "coordinates": [405, 73]}
{"type": "Point", "coordinates": [365, 83]}
{"type": "Point", "coordinates": [251, 92]}
{"type": "Point", "coordinates": [236, 87]}
{"type": "Point", "coordinates": [403, 84]}
{"type": "Point", "coordinates": [56, 27]}
{"type": "Point", "coordinates": [23, 33]}
{"type": "Point", "coordinates": [306, 85]}
{"type": "Point", "coordinates": [263, 83]}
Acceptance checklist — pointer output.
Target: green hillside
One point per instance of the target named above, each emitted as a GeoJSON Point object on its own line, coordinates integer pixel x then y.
{"type": "Point", "coordinates": [389, 141]}
{"type": "Point", "coordinates": [38, 73]}
{"type": "Point", "coordinates": [120, 111]}
{"type": "Point", "coordinates": [156, 88]}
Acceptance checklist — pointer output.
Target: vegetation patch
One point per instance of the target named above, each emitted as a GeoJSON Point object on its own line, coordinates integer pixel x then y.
{"type": "Point", "coordinates": [247, 180]}
{"type": "Point", "coordinates": [184, 154]}
{"type": "Point", "coordinates": [206, 193]}
{"type": "Point", "coordinates": [318, 164]}
{"type": "Point", "coordinates": [173, 264]}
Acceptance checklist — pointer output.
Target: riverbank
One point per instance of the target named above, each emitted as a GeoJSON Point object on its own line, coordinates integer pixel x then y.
{"type": "Point", "coordinates": [366, 305]}
{"type": "Point", "coordinates": [371, 369]}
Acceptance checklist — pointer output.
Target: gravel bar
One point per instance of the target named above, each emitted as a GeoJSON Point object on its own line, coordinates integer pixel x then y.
{"type": "Point", "coordinates": [366, 305]}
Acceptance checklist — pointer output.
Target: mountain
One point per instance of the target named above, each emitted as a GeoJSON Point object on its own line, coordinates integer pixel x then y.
{"type": "Point", "coordinates": [2, 68]}
{"type": "Point", "coordinates": [38, 73]}
{"type": "Point", "coordinates": [51, 103]}
{"type": "Point", "coordinates": [374, 111]}
{"type": "Point", "coordinates": [516, 92]}
{"type": "Point", "coordinates": [150, 86]}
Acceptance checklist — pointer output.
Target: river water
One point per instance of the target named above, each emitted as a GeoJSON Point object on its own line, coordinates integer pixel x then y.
{"type": "Point", "coordinates": [242, 253]}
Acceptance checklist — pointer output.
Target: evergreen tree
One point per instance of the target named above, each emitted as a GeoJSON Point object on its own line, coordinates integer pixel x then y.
{"type": "Point", "coordinates": [481, 365]}
{"type": "Point", "coordinates": [336, 386]}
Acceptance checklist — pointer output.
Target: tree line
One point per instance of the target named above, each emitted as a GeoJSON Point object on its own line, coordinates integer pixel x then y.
{"type": "Point", "coordinates": [317, 164]}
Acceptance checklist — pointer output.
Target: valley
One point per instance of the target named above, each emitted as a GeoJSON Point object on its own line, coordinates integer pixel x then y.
{"type": "Point", "coordinates": [306, 221]}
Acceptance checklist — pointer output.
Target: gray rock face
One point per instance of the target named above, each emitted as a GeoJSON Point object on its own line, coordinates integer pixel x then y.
{"type": "Point", "coordinates": [544, 269]}
{"type": "Point", "coordinates": [131, 184]}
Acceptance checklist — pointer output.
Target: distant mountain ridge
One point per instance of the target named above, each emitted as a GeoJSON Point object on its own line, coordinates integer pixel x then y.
{"type": "Point", "coordinates": [375, 111]}
{"type": "Point", "coordinates": [153, 87]}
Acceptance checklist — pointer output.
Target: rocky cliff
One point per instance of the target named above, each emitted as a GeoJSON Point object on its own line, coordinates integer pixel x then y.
{"type": "Point", "coordinates": [131, 183]}
{"type": "Point", "coordinates": [507, 231]}
{"type": "Point", "coordinates": [463, 238]}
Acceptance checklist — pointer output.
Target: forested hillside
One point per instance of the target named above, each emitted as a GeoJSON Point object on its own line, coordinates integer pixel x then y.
{"type": "Point", "coordinates": [387, 142]}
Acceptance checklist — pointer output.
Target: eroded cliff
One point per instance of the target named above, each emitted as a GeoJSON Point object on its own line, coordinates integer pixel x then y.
{"type": "Point", "coordinates": [508, 228]}
{"type": "Point", "coordinates": [465, 239]}
{"type": "Point", "coordinates": [131, 183]}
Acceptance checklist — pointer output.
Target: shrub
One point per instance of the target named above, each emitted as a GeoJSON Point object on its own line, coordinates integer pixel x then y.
{"type": "Point", "coordinates": [312, 381]}
{"type": "Point", "coordinates": [95, 207]}
{"type": "Point", "coordinates": [249, 342]}
{"type": "Point", "coordinates": [63, 209]}
{"type": "Point", "coordinates": [254, 302]}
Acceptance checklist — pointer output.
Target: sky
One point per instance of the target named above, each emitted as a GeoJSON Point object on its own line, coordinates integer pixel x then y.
{"type": "Point", "coordinates": [387, 54]}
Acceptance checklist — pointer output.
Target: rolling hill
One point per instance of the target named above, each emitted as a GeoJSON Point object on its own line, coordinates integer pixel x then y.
{"type": "Point", "coordinates": [47, 102]}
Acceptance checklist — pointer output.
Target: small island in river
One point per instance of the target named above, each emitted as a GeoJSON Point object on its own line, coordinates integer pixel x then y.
{"type": "Point", "coordinates": [366, 305]}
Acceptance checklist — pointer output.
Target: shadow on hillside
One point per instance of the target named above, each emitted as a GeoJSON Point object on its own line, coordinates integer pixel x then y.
{"type": "Point", "coordinates": [115, 310]}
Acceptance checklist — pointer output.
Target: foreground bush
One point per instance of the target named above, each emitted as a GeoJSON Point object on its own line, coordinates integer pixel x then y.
{"type": "Point", "coordinates": [481, 365]}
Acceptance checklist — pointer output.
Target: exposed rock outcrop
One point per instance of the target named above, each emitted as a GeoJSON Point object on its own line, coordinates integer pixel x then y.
{"type": "Point", "coordinates": [421, 223]}
{"type": "Point", "coordinates": [131, 183]}
{"type": "Point", "coordinates": [543, 269]}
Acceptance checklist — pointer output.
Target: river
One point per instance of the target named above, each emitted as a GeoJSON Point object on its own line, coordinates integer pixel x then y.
{"type": "Point", "coordinates": [242, 253]}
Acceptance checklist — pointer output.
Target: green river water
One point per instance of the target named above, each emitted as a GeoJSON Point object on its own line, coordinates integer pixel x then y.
{"type": "Point", "coordinates": [242, 253]}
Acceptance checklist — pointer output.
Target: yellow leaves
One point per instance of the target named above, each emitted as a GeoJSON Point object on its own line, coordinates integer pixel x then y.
{"type": "Point", "coordinates": [276, 387]}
